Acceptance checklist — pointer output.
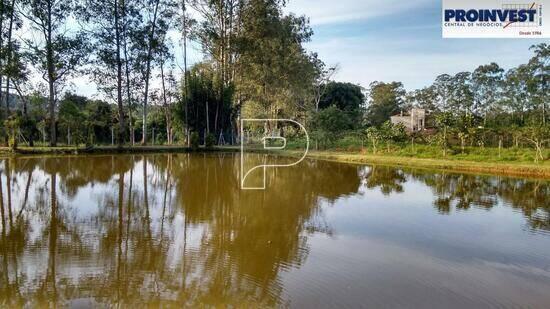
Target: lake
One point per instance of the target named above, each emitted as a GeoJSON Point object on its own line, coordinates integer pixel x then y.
{"type": "Point", "coordinates": [175, 229]}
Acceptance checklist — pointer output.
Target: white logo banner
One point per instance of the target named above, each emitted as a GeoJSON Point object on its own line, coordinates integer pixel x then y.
{"type": "Point", "coordinates": [495, 19]}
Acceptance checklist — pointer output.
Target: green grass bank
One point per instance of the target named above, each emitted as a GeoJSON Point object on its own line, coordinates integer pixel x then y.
{"type": "Point", "coordinates": [511, 162]}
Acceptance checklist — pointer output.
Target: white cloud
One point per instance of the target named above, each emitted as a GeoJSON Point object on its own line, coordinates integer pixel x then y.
{"type": "Point", "coordinates": [336, 11]}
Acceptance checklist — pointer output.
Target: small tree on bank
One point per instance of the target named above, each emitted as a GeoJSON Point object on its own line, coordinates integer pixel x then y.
{"type": "Point", "coordinates": [12, 130]}
{"type": "Point", "coordinates": [374, 135]}
{"type": "Point", "coordinates": [444, 122]}
{"type": "Point", "coordinates": [538, 136]}
{"type": "Point", "coordinates": [392, 133]}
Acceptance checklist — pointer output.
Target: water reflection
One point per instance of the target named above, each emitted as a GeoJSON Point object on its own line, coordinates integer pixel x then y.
{"type": "Point", "coordinates": [462, 192]}
{"type": "Point", "coordinates": [175, 229]}
{"type": "Point", "coordinates": [145, 229]}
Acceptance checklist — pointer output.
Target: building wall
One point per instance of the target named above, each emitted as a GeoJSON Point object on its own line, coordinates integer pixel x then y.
{"type": "Point", "coordinates": [418, 119]}
{"type": "Point", "coordinates": [415, 121]}
{"type": "Point", "coordinates": [404, 120]}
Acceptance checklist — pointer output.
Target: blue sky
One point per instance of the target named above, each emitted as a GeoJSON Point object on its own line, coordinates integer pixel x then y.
{"type": "Point", "coordinates": [391, 40]}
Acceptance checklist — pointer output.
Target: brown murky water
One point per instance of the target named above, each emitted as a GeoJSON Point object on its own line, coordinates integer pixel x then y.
{"type": "Point", "coordinates": [176, 230]}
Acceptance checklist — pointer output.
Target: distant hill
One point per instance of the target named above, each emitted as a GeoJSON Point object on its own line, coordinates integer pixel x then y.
{"type": "Point", "coordinates": [15, 102]}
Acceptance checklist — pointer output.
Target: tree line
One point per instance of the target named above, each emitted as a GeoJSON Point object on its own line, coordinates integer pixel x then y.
{"type": "Point", "coordinates": [490, 106]}
{"type": "Point", "coordinates": [254, 66]}
{"type": "Point", "coordinates": [253, 56]}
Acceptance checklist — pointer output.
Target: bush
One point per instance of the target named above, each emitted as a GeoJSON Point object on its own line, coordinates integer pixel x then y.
{"type": "Point", "coordinates": [329, 123]}
{"type": "Point", "coordinates": [210, 140]}
{"type": "Point", "coordinates": [12, 128]}
{"type": "Point", "coordinates": [195, 141]}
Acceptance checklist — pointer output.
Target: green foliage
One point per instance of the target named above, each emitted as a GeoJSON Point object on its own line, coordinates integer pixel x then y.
{"type": "Point", "coordinates": [256, 67]}
{"type": "Point", "coordinates": [486, 81]}
{"type": "Point", "coordinates": [538, 136]}
{"type": "Point", "coordinates": [276, 70]}
{"type": "Point", "coordinates": [387, 132]}
{"type": "Point", "coordinates": [430, 149]}
{"type": "Point", "coordinates": [385, 100]}
{"type": "Point", "coordinates": [393, 132]}
{"type": "Point", "coordinates": [99, 120]}
{"type": "Point", "coordinates": [202, 99]}
{"type": "Point", "coordinates": [28, 128]}
{"type": "Point", "coordinates": [72, 118]}
{"type": "Point", "coordinates": [345, 96]}
{"type": "Point", "coordinates": [460, 97]}
{"type": "Point", "coordinates": [156, 121]}
{"type": "Point", "coordinates": [444, 121]}
{"type": "Point", "coordinates": [375, 135]}
{"type": "Point", "coordinates": [209, 140]}
{"type": "Point", "coordinates": [494, 98]}
{"type": "Point", "coordinates": [195, 140]}
{"type": "Point", "coordinates": [12, 130]}
{"type": "Point", "coordinates": [329, 123]}
{"type": "Point", "coordinates": [425, 98]}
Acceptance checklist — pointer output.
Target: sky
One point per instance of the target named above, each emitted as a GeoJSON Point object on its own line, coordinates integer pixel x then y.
{"type": "Point", "coordinates": [385, 40]}
{"type": "Point", "coordinates": [396, 40]}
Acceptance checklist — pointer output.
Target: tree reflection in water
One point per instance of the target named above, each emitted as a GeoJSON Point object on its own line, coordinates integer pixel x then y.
{"type": "Point", "coordinates": [464, 191]}
{"type": "Point", "coordinates": [151, 229]}
{"type": "Point", "coordinates": [388, 179]}
{"type": "Point", "coordinates": [175, 229]}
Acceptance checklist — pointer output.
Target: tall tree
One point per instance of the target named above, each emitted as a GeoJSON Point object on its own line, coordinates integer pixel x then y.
{"type": "Point", "coordinates": [486, 87]}
{"type": "Point", "coordinates": [129, 16]}
{"type": "Point", "coordinates": [109, 23]}
{"type": "Point", "coordinates": [152, 9]}
{"type": "Point", "coordinates": [216, 33]}
{"type": "Point", "coordinates": [14, 67]}
{"type": "Point", "coordinates": [57, 52]}
{"type": "Point", "coordinates": [2, 18]}
{"type": "Point", "coordinates": [200, 95]}
{"type": "Point", "coordinates": [515, 95]}
{"type": "Point", "coordinates": [345, 96]}
{"type": "Point", "coordinates": [186, 23]}
{"type": "Point", "coordinates": [460, 98]}
{"type": "Point", "coordinates": [424, 98]}
{"type": "Point", "coordinates": [10, 11]}
{"type": "Point", "coordinates": [322, 79]}
{"type": "Point", "coordinates": [385, 100]}
{"type": "Point", "coordinates": [168, 90]}
{"type": "Point", "coordinates": [442, 88]}
{"type": "Point", "coordinates": [539, 84]}
{"type": "Point", "coordinates": [132, 45]}
{"type": "Point", "coordinates": [277, 82]}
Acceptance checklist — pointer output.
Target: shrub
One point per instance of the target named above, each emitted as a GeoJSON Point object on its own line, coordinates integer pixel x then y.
{"type": "Point", "coordinates": [195, 141]}
{"type": "Point", "coordinates": [210, 140]}
{"type": "Point", "coordinates": [329, 123]}
{"type": "Point", "coordinates": [12, 128]}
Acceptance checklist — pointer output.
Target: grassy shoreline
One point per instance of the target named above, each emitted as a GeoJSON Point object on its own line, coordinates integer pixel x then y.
{"type": "Point", "coordinates": [520, 169]}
